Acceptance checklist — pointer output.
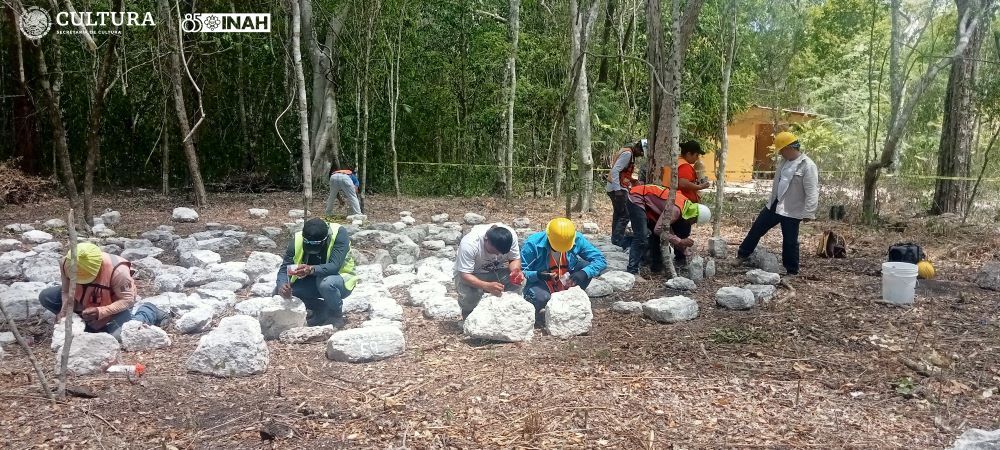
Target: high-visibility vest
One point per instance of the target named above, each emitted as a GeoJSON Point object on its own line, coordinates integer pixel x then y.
{"type": "Point", "coordinates": [625, 177]}
{"type": "Point", "coordinates": [661, 192]}
{"type": "Point", "coordinates": [343, 171]}
{"type": "Point", "coordinates": [346, 269]}
{"type": "Point", "coordinates": [558, 269]}
{"type": "Point", "coordinates": [98, 293]}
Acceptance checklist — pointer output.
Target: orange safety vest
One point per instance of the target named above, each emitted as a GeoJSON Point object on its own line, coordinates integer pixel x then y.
{"type": "Point", "coordinates": [343, 171]}
{"type": "Point", "coordinates": [97, 293]}
{"type": "Point", "coordinates": [625, 177]}
{"type": "Point", "coordinates": [661, 192]}
{"type": "Point", "coordinates": [558, 269]}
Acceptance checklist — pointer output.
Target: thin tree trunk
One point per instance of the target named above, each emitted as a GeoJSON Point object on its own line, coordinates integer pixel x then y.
{"type": "Point", "coordinates": [50, 91]}
{"type": "Point", "coordinates": [372, 19]}
{"type": "Point", "coordinates": [94, 123]}
{"type": "Point", "coordinates": [958, 125]}
{"type": "Point", "coordinates": [184, 126]}
{"type": "Point", "coordinates": [303, 106]}
{"type": "Point", "coordinates": [393, 85]}
{"type": "Point", "coordinates": [609, 15]}
{"type": "Point", "coordinates": [165, 149]}
{"type": "Point", "coordinates": [720, 174]}
{"type": "Point", "coordinates": [979, 179]}
{"type": "Point", "coordinates": [561, 152]}
{"type": "Point", "coordinates": [582, 26]}
{"type": "Point", "coordinates": [513, 30]}
{"type": "Point", "coordinates": [68, 307]}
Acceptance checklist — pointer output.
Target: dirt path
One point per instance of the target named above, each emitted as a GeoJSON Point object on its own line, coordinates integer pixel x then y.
{"type": "Point", "coordinates": [817, 367]}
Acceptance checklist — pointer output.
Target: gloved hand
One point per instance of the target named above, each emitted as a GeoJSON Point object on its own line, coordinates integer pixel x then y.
{"type": "Point", "coordinates": [578, 278]}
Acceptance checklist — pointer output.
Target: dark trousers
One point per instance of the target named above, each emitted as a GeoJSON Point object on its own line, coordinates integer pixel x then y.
{"type": "Point", "coordinates": [619, 218]}
{"type": "Point", "coordinates": [766, 220]}
{"type": "Point", "coordinates": [322, 296]}
{"type": "Point", "coordinates": [538, 294]}
{"type": "Point", "coordinates": [643, 239]}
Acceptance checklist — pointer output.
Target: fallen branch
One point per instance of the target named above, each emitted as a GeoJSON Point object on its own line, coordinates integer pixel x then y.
{"type": "Point", "coordinates": [31, 357]}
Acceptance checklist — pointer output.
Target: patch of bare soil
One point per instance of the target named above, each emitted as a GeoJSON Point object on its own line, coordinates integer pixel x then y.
{"type": "Point", "coordinates": [822, 365]}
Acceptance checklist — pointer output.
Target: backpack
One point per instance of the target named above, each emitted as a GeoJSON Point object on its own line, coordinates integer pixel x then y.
{"type": "Point", "coordinates": [831, 245]}
{"type": "Point", "coordinates": [905, 252]}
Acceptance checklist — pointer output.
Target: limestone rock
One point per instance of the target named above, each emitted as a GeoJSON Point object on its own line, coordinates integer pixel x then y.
{"type": "Point", "coordinates": [184, 215]}
{"type": "Point", "coordinates": [195, 320]}
{"type": "Point", "coordinates": [262, 289]}
{"type": "Point", "coordinates": [717, 247]}
{"type": "Point", "coordinates": [384, 308]}
{"type": "Point", "coordinates": [625, 307]}
{"type": "Point", "coordinates": [35, 237]}
{"type": "Point", "coordinates": [235, 348]}
{"type": "Point", "coordinates": [137, 337]}
{"type": "Point", "coordinates": [735, 298]}
{"type": "Point", "coordinates": [420, 293]}
{"type": "Point", "coordinates": [599, 288]}
{"type": "Point", "coordinates": [370, 273]}
{"type": "Point", "coordinates": [473, 219]}
{"type": "Point", "coordinates": [989, 276]}
{"type": "Point", "coordinates": [199, 258]}
{"type": "Point", "coordinates": [976, 439]}
{"type": "Point", "coordinates": [670, 309]}
{"type": "Point", "coordinates": [590, 228]}
{"type": "Point", "coordinates": [442, 308]}
{"type": "Point", "coordinates": [382, 322]}
{"type": "Point", "coordinates": [439, 218]}
{"type": "Point", "coordinates": [681, 284]}
{"type": "Point", "coordinates": [7, 245]}
{"type": "Point", "coordinates": [111, 218]}
{"type": "Point", "coordinates": [619, 280]}
{"type": "Point", "coordinates": [710, 268]}
{"type": "Point", "coordinates": [522, 222]}
{"type": "Point", "coordinates": [261, 263]}
{"type": "Point", "coordinates": [54, 223]}
{"type": "Point", "coordinates": [258, 213]}
{"type": "Point", "coordinates": [403, 279]}
{"type": "Point", "coordinates": [90, 353]}
{"type": "Point", "coordinates": [696, 269]}
{"type": "Point", "coordinates": [764, 260]}
{"type": "Point", "coordinates": [296, 213]}
{"type": "Point", "coordinates": [568, 313]}
{"type": "Point", "coordinates": [59, 331]}
{"type": "Point", "coordinates": [367, 344]}
{"type": "Point", "coordinates": [167, 282]}
{"type": "Point", "coordinates": [757, 276]}
{"type": "Point", "coordinates": [762, 292]}
{"type": "Point", "coordinates": [305, 335]}
{"type": "Point", "coordinates": [509, 318]}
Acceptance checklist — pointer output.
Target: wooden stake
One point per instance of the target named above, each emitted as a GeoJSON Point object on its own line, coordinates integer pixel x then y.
{"type": "Point", "coordinates": [31, 357]}
{"type": "Point", "coordinates": [68, 306]}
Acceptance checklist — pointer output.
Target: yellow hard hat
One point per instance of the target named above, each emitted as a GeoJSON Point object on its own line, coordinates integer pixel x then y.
{"type": "Point", "coordinates": [561, 233]}
{"type": "Point", "coordinates": [88, 262]}
{"type": "Point", "coordinates": [782, 140]}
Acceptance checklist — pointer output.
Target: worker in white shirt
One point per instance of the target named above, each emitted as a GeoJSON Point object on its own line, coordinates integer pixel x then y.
{"type": "Point", "coordinates": [794, 197]}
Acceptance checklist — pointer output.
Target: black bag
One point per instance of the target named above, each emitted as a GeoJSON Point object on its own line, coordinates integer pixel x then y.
{"type": "Point", "coordinates": [906, 252]}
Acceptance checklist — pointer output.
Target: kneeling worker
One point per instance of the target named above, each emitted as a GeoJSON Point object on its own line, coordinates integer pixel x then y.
{"type": "Point", "coordinates": [105, 292]}
{"type": "Point", "coordinates": [555, 261]}
{"type": "Point", "coordinates": [651, 216]}
{"type": "Point", "coordinates": [319, 270]}
{"type": "Point", "coordinates": [488, 260]}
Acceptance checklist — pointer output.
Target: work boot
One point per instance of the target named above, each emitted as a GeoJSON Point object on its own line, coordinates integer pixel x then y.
{"type": "Point", "coordinates": [338, 322]}
{"type": "Point", "coordinates": [318, 318]}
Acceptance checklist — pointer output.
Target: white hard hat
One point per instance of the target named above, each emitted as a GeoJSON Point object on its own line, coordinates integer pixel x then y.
{"type": "Point", "coordinates": [704, 214]}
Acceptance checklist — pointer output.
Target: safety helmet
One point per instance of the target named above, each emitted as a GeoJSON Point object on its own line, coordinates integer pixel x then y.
{"type": "Point", "coordinates": [704, 214]}
{"type": "Point", "coordinates": [88, 262]}
{"type": "Point", "coordinates": [561, 233]}
{"type": "Point", "coordinates": [782, 140]}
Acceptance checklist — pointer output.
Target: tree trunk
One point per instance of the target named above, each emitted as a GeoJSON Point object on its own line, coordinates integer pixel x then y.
{"type": "Point", "coordinates": [94, 122]}
{"type": "Point", "coordinates": [371, 14]}
{"type": "Point", "coordinates": [561, 152]}
{"type": "Point", "coordinates": [184, 126]}
{"type": "Point", "coordinates": [513, 30]}
{"type": "Point", "coordinates": [609, 16]}
{"type": "Point", "coordinates": [50, 91]}
{"type": "Point", "coordinates": [393, 85]}
{"type": "Point", "coordinates": [165, 149]}
{"type": "Point", "coordinates": [902, 108]}
{"type": "Point", "coordinates": [958, 127]}
{"type": "Point", "coordinates": [720, 174]}
{"type": "Point", "coordinates": [303, 106]}
{"type": "Point", "coordinates": [582, 26]}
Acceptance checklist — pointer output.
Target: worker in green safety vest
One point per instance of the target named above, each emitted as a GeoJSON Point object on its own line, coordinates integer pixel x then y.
{"type": "Point", "coordinates": [319, 270]}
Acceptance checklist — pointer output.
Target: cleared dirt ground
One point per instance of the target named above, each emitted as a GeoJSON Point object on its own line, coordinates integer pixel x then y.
{"type": "Point", "coordinates": [819, 366]}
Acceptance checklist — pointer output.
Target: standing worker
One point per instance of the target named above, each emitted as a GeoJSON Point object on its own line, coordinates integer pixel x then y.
{"type": "Point", "coordinates": [318, 269]}
{"type": "Point", "coordinates": [794, 197]}
{"type": "Point", "coordinates": [619, 182]}
{"type": "Point", "coordinates": [555, 261]}
{"type": "Point", "coordinates": [488, 260]}
{"type": "Point", "coordinates": [105, 292]}
{"type": "Point", "coordinates": [343, 185]}
{"type": "Point", "coordinates": [688, 182]}
{"type": "Point", "coordinates": [652, 220]}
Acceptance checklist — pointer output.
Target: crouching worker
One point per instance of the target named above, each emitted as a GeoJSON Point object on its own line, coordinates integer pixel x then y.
{"type": "Point", "coordinates": [319, 270]}
{"type": "Point", "coordinates": [558, 259]}
{"type": "Point", "coordinates": [488, 260]}
{"type": "Point", "coordinates": [105, 292]}
{"type": "Point", "coordinates": [652, 220]}
{"type": "Point", "coordinates": [343, 186]}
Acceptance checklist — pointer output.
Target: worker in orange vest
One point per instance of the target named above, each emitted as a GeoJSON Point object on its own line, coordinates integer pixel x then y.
{"type": "Point", "coordinates": [688, 181]}
{"type": "Point", "coordinates": [653, 219]}
{"type": "Point", "coordinates": [620, 180]}
{"type": "Point", "coordinates": [343, 185]}
{"type": "Point", "coordinates": [105, 292]}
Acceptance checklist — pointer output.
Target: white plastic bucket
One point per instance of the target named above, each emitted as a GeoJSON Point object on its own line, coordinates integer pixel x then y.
{"type": "Point", "coordinates": [899, 280]}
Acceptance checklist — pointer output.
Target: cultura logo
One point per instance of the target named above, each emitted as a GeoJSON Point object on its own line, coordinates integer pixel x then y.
{"type": "Point", "coordinates": [35, 23]}
{"type": "Point", "coordinates": [226, 23]}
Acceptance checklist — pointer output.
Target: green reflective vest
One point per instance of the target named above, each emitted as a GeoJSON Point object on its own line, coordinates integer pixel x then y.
{"type": "Point", "coordinates": [346, 269]}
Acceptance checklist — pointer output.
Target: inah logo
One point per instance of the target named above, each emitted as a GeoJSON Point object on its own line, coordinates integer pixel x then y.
{"type": "Point", "coordinates": [226, 23]}
{"type": "Point", "coordinates": [35, 23]}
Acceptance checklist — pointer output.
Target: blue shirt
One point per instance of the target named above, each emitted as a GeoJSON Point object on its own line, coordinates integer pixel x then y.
{"type": "Point", "coordinates": [535, 256]}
